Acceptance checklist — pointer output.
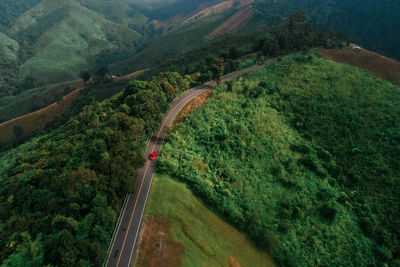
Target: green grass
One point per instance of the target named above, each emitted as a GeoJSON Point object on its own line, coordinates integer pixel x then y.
{"type": "Point", "coordinates": [73, 44]}
{"type": "Point", "coordinates": [206, 238]}
{"type": "Point", "coordinates": [8, 47]}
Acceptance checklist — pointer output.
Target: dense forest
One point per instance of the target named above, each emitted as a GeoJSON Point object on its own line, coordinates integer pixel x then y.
{"type": "Point", "coordinates": [220, 56]}
{"type": "Point", "coordinates": [43, 42]}
{"type": "Point", "coordinates": [61, 193]}
{"type": "Point", "coordinates": [303, 156]}
{"type": "Point", "coordinates": [372, 24]}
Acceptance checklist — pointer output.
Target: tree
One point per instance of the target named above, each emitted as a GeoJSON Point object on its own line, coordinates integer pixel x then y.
{"type": "Point", "coordinates": [297, 26]}
{"type": "Point", "coordinates": [85, 76]}
{"type": "Point", "coordinates": [204, 77]}
{"type": "Point", "coordinates": [103, 71]}
{"type": "Point", "coordinates": [218, 69]}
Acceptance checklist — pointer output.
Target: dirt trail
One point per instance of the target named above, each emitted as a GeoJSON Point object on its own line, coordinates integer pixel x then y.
{"type": "Point", "coordinates": [238, 20]}
{"type": "Point", "coordinates": [155, 247]}
{"type": "Point", "coordinates": [384, 67]}
{"type": "Point", "coordinates": [38, 119]}
{"type": "Point", "coordinates": [192, 105]}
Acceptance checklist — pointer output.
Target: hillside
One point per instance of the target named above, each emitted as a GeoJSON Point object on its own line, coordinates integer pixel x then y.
{"type": "Point", "coordinates": [192, 234]}
{"type": "Point", "coordinates": [384, 67]}
{"type": "Point", "coordinates": [53, 41]}
{"type": "Point", "coordinates": [61, 192]}
{"type": "Point", "coordinates": [30, 112]}
{"type": "Point", "coordinates": [295, 164]}
{"type": "Point", "coordinates": [369, 23]}
{"type": "Point", "coordinates": [45, 41]}
{"type": "Point", "coordinates": [302, 156]}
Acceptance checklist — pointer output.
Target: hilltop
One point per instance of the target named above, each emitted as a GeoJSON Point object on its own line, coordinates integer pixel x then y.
{"type": "Point", "coordinates": [294, 164]}
{"type": "Point", "coordinates": [302, 156]}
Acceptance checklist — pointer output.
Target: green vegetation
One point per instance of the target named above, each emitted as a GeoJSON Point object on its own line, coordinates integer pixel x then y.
{"type": "Point", "coordinates": [367, 22]}
{"type": "Point", "coordinates": [60, 193]}
{"type": "Point", "coordinates": [206, 239]}
{"type": "Point", "coordinates": [239, 50]}
{"type": "Point", "coordinates": [303, 156]}
{"type": "Point", "coordinates": [32, 100]}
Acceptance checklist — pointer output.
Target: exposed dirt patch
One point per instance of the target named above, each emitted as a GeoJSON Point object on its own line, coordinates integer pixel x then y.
{"type": "Point", "coordinates": [233, 262]}
{"type": "Point", "coordinates": [192, 105]}
{"type": "Point", "coordinates": [175, 20]}
{"type": "Point", "coordinates": [213, 10]}
{"type": "Point", "coordinates": [217, 9]}
{"type": "Point", "coordinates": [238, 20]}
{"type": "Point", "coordinates": [38, 119]}
{"type": "Point", "coordinates": [131, 75]}
{"type": "Point", "coordinates": [382, 66]}
{"type": "Point", "coordinates": [155, 247]}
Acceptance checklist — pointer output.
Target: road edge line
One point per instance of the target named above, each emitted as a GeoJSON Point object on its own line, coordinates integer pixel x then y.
{"type": "Point", "coordinates": [141, 218]}
{"type": "Point", "coordinates": [117, 227]}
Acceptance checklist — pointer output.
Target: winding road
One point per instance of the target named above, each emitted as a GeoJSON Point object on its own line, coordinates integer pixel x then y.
{"type": "Point", "coordinates": [124, 239]}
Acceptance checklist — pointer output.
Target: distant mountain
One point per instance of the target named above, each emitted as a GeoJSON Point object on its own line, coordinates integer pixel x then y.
{"type": "Point", "coordinates": [48, 41]}
{"type": "Point", "coordinates": [370, 23]}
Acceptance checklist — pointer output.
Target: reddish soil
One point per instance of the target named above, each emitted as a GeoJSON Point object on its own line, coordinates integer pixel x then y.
{"type": "Point", "coordinates": [131, 75]}
{"type": "Point", "coordinates": [202, 12]}
{"type": "Point", "coordinates": [382, 66]}
{"type": "Point", "coordinates": [155, 247]}
{"type": "Point", "coordinates": [238, 20]}
{"type": "Point", "coordinates": [175, 20]}
{"type": "Point", "coordinates": [192, 105]}
{"type": "Point", "coordinates": [233, 262]}
{"type": "Point", "coordinates": [213, 10]}
{"type": "Point", "coordinates": [38, 119]}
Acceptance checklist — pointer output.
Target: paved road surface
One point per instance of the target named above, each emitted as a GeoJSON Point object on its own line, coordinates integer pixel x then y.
{"type": "Point", "coordinates": [124, 240]}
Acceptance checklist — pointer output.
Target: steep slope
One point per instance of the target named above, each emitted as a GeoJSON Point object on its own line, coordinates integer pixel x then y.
{"type": "Point", "coordinates": [384, 67]}
{"type": "Point", "coordinates": [72, 43]}
{"type": "Point", "coordinates": [60, 193]}
{"type": "Point", "coordinates": [234, 23]}
{"type": "Point", "coordinates": [303, 156]}
{"type": "Point", "coordinates": [204, 239]}
{"type": "Point", "coordinates": [372, 24]}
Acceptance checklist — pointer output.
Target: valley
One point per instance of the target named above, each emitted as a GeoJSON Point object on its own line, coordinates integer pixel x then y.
{"type": "Point", "coordinates": [199, 133]}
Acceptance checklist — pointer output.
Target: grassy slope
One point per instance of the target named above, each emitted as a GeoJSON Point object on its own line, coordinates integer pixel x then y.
{"type": "Point", "coordinates": [384, 67]}
{"type": "Point", "coordinates": [28, 101]}
{"type": "Point", "coordinates": [306, 162]}
{"type": "Point", "coordinates": [207, 240]}
{"type": "Point", "coordinates": [8, 47]}
{"type": "Point", "coordinates": [73, 43]}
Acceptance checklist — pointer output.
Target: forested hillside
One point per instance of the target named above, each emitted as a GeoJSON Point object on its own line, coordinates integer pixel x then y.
{"type": "Point", "coordinates": [203, 61]}
{"type": "Point", "coordinates": [61, 193]}
{"type": "Point", "coordinates": [46, 41]}
{"type": "Point", "coordinates": [370, 23]}
{"type": "Point", "coordinates": [303, 156]}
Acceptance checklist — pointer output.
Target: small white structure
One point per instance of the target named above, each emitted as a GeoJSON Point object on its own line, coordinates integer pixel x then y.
{"type": "Point", "coordinates": [356, 48]}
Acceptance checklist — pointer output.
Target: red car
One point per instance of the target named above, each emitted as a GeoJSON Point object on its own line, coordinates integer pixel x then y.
{"type": "Point", "coordinates": [153, 155]}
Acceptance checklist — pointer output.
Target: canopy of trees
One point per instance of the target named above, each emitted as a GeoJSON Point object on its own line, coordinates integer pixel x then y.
{"type": "Point", "coordinates": [61, 193]}
{"type": "Point", "coordinates": [303, 156]}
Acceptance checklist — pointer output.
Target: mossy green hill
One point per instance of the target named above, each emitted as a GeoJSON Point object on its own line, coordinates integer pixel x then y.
{"type": "Point", "coordinates": [301, 155]}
